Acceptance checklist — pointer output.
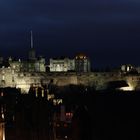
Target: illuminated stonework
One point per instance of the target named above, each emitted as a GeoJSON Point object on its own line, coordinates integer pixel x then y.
{"type": "Point", "coordinates": [127, 89]}
{"type": "Point", "coordinates": [126, 68]}
{"type": "Point", "coordinates": [80, 63]}
{"type": "Point", "coordinates": [36, 65]}
{"type": "Point", "coordinates": [63, 72]}
{"type": "Point", "coordinates": [99, 80]}
{"type": "Point", "coordinates": [62, 65]}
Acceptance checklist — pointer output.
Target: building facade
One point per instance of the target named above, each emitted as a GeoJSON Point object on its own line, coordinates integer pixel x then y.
{"type": "Point", "coordinates": [32, 64]}
{"type": "Point", "coordinates": [80, 63]}
{"type": "Point", "coordinates": [61, 65]}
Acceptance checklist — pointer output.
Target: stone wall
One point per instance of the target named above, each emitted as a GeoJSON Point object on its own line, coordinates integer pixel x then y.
{"type": "Point", "coordinates": [23, 80]}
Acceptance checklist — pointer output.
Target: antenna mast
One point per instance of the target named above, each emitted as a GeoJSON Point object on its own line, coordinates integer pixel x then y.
{"type": "Point", "coordinates": [31, 39]}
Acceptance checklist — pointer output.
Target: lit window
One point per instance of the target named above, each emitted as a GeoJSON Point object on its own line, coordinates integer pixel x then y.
{"type": "Point", "coordinates": [42, 93]}
{"type": "Point", "coordinates": [3, 77]}
{"type": "Point", "coordinates": [1, 94]}
{"type": "Point", "coordinates": [2, 115]}
{"type": "Point", "coordinates": [66, 137]}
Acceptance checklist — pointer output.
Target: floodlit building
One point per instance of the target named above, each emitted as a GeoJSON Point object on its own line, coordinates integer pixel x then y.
{"type": "Point", "coordinates": [82, 63]}
{"type": "Point", "coordinates": [63, 72]}
{"type": "Point", "coordinates": [32, 64]}
{"type": "Point", "coordinates": [62, 65]}
{"type": "Point", "coordinates": [126, 68]}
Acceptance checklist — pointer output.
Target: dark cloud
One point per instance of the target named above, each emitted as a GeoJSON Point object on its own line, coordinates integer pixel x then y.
{"type": "Point", "coordinates": [104, 29]}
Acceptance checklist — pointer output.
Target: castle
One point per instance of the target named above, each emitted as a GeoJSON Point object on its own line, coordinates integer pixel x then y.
{"type": "Point", "coordinates": [63, 71]}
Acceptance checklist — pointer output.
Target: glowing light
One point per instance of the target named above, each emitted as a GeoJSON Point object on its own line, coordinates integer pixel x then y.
{"type": "Point", "coordinates": [50, 96]}
{"type": "Point", "coordinates": [23, 86]}
{"type": "Point", "coordinates": [126, 88]}
{"type": "Point", "coordinates": [2, 131]}
{"type": "Point", "coordinates": [42, 93]}
{"type": "Point", "coordinates": [1, 94]}
{"type": "Point", "coordinates": [57, 101]}
{"type": "Point", "coordinates": [2, 116]}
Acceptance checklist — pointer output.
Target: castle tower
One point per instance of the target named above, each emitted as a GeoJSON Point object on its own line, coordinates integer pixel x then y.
{"type": "Point", "coordinates": [82, 63]}
{"type": "Point", "coordinates": [32, 53]}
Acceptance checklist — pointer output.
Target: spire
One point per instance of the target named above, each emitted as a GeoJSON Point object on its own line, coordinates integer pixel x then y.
{"type": "Point", "coordinates": [32, 53]}
{"type": "Point", "coordinates": [32, 39]}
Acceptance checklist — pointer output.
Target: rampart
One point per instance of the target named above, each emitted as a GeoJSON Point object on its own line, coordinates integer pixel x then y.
{"type": "Point", "coordinates": [23, 80]}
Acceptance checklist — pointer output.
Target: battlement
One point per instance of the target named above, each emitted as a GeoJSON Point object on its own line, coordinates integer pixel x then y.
{"type": "Point", "coordinates": [12, 78]}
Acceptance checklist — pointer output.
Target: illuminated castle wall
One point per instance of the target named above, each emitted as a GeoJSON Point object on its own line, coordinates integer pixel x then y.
{"type": "Point", "coordinates": [32, 72]}
{"type": "Point", "coordinates": [12, 78]}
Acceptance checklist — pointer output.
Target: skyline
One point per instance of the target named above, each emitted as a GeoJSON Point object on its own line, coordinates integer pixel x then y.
{"type": "Point", "coordinates": [108, 32]}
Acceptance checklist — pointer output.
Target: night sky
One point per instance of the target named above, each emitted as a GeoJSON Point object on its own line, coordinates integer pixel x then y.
{"type": "Point", "coordinates": [108, 31]}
